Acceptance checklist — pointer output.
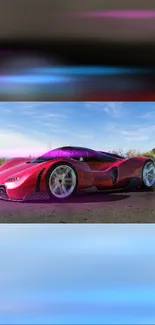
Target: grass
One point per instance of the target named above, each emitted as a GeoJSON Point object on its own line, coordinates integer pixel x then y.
{"type": "Point", "coordinates": [2, 160]}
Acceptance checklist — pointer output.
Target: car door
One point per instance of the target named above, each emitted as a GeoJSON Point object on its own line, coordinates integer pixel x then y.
{"type": "Point", "coordinates": [98, 161]}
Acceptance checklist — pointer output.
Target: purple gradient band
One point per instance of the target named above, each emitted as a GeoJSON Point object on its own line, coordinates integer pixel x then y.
{"type": "Point", "coordinates": [5, 52]}
{"type": "Point", "coordinates": [129, 14]}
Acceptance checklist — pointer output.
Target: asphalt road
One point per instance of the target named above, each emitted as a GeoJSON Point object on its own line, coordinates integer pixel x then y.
{"type": "Point", "coordinates": [86, 207]}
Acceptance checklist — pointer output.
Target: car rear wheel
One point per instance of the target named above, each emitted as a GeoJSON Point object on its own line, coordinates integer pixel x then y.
{"type": "Point", "coordinates": [148, 176]}
{"type": "Point", "coordinates": [62, 181]}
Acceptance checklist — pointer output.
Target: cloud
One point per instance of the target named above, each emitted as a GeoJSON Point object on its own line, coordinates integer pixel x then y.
{"type": "Point", "coordinates": [25, 108]}
{"type": "Point", "coordinates": [80, 135]}
{"type": "Point", "coordinates": [113, 109]}
{"type": "Point", "coordinates": [42, 111]}
{"type": "Point", "coordinates": [12, 126]}
{"type": "Point", "coordinates": [29, 112]}
{"type": "Point", "coordinates": [30, 105]}
{"type": "Point", "coordinates": [52, 115]}
{"type": "Point", "coordinates": [139, 133]}
{"type": "Point", "coordinates": [5, 110]}
{"type": "Point", "coordinates": [137, 138]}
{"type": "Point", "coordinates": [147, 115]}
{"type": "Point", "coordinates": [54, 127]}
{"type": "Point", "coordinates": [85, 136]}
{"type": "Point", "coordinates": [15, 143]}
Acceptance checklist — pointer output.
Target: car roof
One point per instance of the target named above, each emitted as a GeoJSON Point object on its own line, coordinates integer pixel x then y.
{"type": "Point", "coordinates": [76, 148]}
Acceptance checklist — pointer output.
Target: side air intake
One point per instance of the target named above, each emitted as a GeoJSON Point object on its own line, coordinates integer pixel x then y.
{"type": "Point", "coordinates": [115, 175]}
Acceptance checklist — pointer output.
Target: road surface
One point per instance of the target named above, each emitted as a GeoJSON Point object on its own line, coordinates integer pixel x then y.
{"type": "Point", "coordinates": [87, 207]}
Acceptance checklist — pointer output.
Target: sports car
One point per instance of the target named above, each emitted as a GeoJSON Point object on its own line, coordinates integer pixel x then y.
{"type": "Point", "coordinates": [63, 171]}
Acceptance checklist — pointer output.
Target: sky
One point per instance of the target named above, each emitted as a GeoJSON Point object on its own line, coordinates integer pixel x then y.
{"type": "Point", "coordinates": [32, 128]}
{"type": "Point", "coordinates": [77, 274]}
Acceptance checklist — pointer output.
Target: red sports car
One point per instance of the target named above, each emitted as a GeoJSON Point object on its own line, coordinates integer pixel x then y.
{"type": "Point", "coordinates": [63, 171]}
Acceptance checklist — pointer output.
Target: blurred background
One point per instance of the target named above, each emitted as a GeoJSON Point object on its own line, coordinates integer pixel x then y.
{"type": "Point", "coordinates": [64, 274]}
{"type": "Point", "coordinates": [89, 50]}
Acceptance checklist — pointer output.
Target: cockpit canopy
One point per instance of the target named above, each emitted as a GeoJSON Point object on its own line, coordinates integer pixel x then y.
{"type": "Point", "coordinates": [78, 153]}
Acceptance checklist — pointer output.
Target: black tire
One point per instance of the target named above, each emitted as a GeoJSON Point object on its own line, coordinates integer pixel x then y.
{"type": "Point", "coordinates": [51, 170]}
{"type": "Point", "coordinates": [144, 186]}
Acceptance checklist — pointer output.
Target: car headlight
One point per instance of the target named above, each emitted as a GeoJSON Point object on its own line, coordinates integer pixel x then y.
{"type": "Point", "coordinates": [13, 179]}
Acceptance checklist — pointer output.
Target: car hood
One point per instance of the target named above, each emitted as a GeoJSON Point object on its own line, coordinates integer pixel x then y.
{"type": "Point", "coordinates": [18, 170]}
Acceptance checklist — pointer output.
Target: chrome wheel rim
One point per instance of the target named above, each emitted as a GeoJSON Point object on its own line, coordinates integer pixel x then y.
{"type": "Point", "coordinates": [149, 174]}
{"type": "Point", "coordinates": [62, 181]}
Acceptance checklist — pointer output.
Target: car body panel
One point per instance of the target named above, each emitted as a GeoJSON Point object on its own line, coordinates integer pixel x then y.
{"type": "Point", "coordinates": [90, 172]}
{"type": "Point", "coordinates": [127, 169]}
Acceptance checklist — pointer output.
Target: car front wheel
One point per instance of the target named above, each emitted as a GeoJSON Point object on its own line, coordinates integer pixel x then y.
{"type": "Point", "coordinates": [62, 181]}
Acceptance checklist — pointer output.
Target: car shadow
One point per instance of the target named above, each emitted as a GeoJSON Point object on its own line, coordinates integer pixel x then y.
{"type": "Point", "coordinates": [80, 198]}
{"type": "Point", "coordinates": [130, 190]}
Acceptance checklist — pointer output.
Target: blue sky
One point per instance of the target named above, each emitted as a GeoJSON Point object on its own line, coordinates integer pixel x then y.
{"type": "Point", "coordinates": [34, 128]}
{"type": "Point", "coordinates": [77, 274]}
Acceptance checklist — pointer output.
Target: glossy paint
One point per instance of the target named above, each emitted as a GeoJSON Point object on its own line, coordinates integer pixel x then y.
{"type": "Point", "coordinates": [32, 176]}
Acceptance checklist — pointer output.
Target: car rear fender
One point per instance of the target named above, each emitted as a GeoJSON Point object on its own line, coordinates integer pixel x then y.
{"type": "Point", "coordinates": [131, 167]}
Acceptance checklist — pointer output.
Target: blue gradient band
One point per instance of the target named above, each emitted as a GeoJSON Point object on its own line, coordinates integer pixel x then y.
{"type": "Point", "coordinates": [64, 75]}
{"type": "Point", "coordinates": [90, 71]}
{"type": "Point", "coordinates": [77, 274]}
{"type": "Point", "coordinates": [33, 79]}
